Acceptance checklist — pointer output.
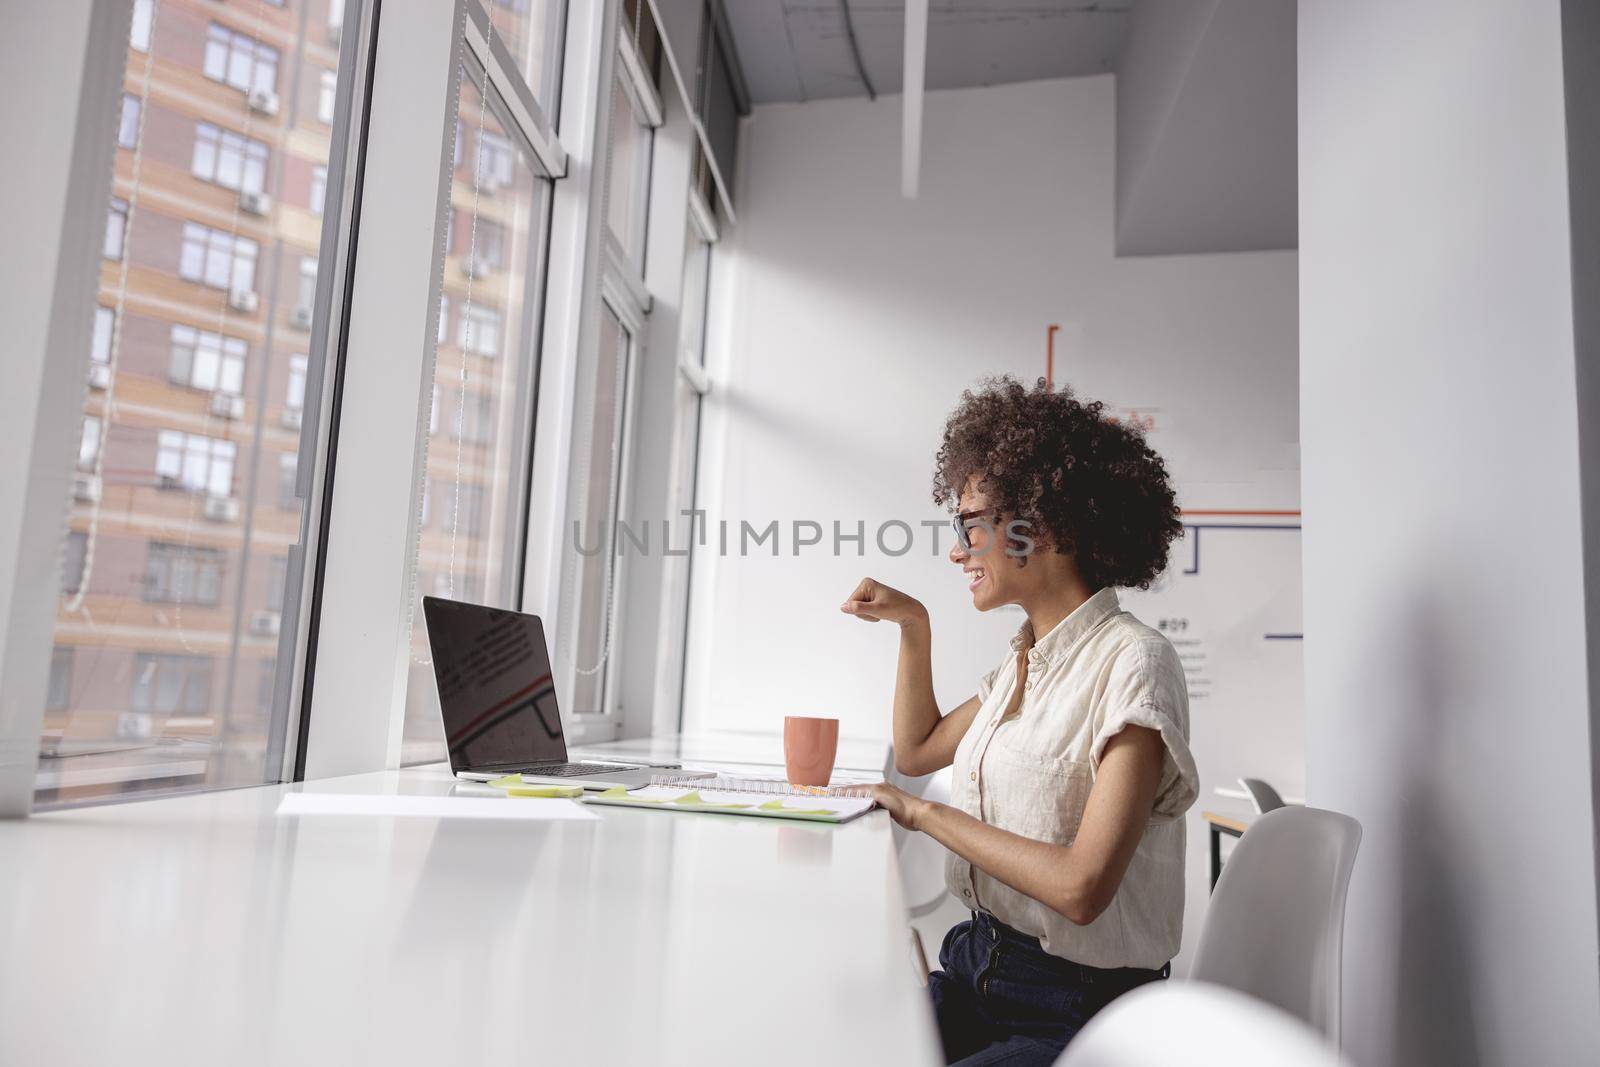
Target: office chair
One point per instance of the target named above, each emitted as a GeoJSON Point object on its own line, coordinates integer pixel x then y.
{"type": "Point", "coordinates": [1196, 1024]}
{"type": "Point", "coordinates": [1263, 796]}
{"type": "Point", "coordinates": [1275, 924]}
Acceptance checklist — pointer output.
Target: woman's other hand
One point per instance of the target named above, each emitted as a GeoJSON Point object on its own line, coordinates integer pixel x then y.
{"type": "Point", "coordinates": [902, 807]}
{"type": "Point", "coordinates": [872, 600]}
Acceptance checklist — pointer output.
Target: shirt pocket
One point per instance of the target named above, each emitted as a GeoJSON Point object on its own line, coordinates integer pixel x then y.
{"type": "Point", "coordinates": [1039, 797]}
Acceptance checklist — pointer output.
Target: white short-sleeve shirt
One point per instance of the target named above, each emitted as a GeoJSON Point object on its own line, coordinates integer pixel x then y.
{"type": "Point", "coordinates": [1098, 671]}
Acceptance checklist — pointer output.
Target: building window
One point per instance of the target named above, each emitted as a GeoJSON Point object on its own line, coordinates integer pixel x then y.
{"type": "Point", "coordinates": [444, 318]}
{"type": "Point", "coordinates": [89, 443]}
{"type": "Point", "coordinates": [176, 574]}
{"type": "Point", "coordinates": [288, 470]}
{"type": "Point", "coordinates": [229, 159]}
{"type": "Point", "coordinates": [325, 97]}
{"type": "Point", "coordinates": [319, 189]}
{"type": "Point", "coordinates": [139, 32]}
{"type": "Point", "coordinates": [471, 419]}
{"type": "Point", "coordinates": [308, 282]}
{"type": "Point", "coordinates": [239, 60]}
{"type": "Point", "coordinates": [464, 509]}
{"type": "Point", "coordinates": [209, 361]}
{"type": "Point", "coordinates": [116, 229]}
{"type": "Point", "coordinates": [480, 331]}
{"type": "Point", "coordinates": [59, 697]}
{"type": "Point", "coordinates": [73, 555]}
{"type": "Point", "coordinates": [491, 250]}
{"type": "Point", "coordinates": [128, 124]}
{"type": "Point", "coordinates": [496, 160]}
{"type": "Point", "coordinates": [195, 462]}
{"type": "Point", "coordinates": [169, 683]}
{"type": "Point", "coordinates": [296, 397]}
{"type": "Point", "coordinates": [433, 428]}
{"type": "Point", "coordinates": [100, 346]}
{"type": "Point", "coordinates": [218, 259]}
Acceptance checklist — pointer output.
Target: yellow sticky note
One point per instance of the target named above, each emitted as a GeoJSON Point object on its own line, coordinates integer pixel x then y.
{"type": "Point", "coordinates": [777, 805]}
{"type": "Point", "coordinates": [692, 799]}
{"type": "Point", "coordinates": [516, 787]}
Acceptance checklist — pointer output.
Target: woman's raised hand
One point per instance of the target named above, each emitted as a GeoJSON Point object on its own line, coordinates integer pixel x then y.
{"type": "Point", "coordinates": [872, 600]}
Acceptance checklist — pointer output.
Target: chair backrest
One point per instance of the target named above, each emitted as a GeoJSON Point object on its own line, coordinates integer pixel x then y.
{"type": "Point", "coordinates": [1196, 1024]}
{"type": "Point", "coordinates": [1263, 796]}
{"type": "Point", "coordinates": [922, 858]}
{"type": "Point", "coordinates": [1275, 924]}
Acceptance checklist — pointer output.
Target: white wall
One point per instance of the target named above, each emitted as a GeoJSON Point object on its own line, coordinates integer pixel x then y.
{"type": "Point", "coordinates": [1446, 655]}
{"type": "Point", "coordinates": [846, 322]}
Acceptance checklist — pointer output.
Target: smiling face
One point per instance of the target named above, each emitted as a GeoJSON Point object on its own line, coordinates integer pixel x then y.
{"type": "Point", "coordinates": [993, 577]}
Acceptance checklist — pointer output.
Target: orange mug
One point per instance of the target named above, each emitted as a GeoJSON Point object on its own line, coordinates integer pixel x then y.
{"type": "Point", "coordinates": [809, 746]}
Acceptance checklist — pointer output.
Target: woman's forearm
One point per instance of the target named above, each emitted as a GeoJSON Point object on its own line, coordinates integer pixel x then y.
{"type": "Point", "coordinates": [1042, 871]}
{"type": "Point", "coordinates": [916, 711]}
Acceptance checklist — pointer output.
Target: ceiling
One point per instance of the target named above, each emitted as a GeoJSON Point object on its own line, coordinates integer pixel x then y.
{"type": "Point", "coordinates": [796, 50]}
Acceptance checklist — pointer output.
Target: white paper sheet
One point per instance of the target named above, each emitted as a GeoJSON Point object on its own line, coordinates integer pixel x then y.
{"type": "Point", "coordinates": [432, 807]}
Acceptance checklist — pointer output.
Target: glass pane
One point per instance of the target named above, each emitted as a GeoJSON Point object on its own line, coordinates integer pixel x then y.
{"type": "Point", "coordinates": [595, 557]}
{"type": "Point", "coordinates": [628, 178]}
{"type": "Point", "coordinates": [470, 496]}
{"type": "Point", "coordinates": [531, 31]}
{"type": "Point", "coordinates": [168, 625]}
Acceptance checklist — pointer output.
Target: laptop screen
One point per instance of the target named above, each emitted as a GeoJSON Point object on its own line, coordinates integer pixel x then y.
{"type": "Point", "coordinates": [495, 686]}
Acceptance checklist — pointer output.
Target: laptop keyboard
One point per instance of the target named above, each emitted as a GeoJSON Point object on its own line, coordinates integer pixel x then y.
{"type": "Point", "coordinates": [574, 770]}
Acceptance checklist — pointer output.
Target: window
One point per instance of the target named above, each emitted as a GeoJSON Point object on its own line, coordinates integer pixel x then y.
{"type": "Point", "coordinates": [496, 160]}
{"type": "Point", "coordinates": [295, 399]}
{"type": "Point", "coordinates": [179, 574]}
{"type": "Point", "coordinates": [306, 294]}
{"type": "Point", "coordinates": [139, 32]}
{"type": "Point", "coordinates": [480, 330]}
{"type": "Point", "coordinates": [288, 472]}
{"type": "Point", "coordinates": [116, 229]}
{"type": "Point", "coordinates": [229, 159]}
{"type": "Point", "coordinates": [89, 443]}
{"type": "Point", "coordinates": [471, 506]}
{"type": "Point", "coordinates": [59, 695]}
{"type": "Point", "coordinates": [237, 59]}
{"type": "Point", "coordinates": [628, 166]}
{"type": "Point", "coordinates": [128, 124]}
{"type": "Point", "coordinates": [531, 30]}
{"type": "Point", "coordinates": [195, 462]}
{"type": "Point", "coordinates": [600, 457]}
{"type": "Point", "coordinates": [326, 97]}
{"type": "Point", "coordinates": [169, 683]}
{"type": "Point", "coordinates": [72, 560]}
{"type": "Point", "coordinates": [277, 578]}
{"type": "Point", "coordinates": [100, 345]}
{"type": "Point", "coordinates": [205, 360]}
{"type": "Point", "coordinates": [220, 260]}
{"type": "Point", "coordinates": [137, 562]}
{"type": "Point", "coordinates": [472, 418]}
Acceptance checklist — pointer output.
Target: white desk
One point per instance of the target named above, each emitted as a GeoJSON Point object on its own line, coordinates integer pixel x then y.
{"type": "Point", "coordinates": [206, 930]}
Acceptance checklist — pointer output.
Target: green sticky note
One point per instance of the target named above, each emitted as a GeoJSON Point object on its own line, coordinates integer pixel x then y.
{"type": "Point", "coordinates": [692, 799]}
{"type": "Point", "coordinates": [616, 792]}
{"type": "Point", "coordinates": [567, 792]}
{"type": "Point", "coordinates": [507, 782]}
{"type": "Point", "coordinates": [777, 805]}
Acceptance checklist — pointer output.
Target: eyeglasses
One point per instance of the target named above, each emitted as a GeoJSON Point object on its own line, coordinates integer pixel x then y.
{"type": "Point", "coordinates": [959, 523]}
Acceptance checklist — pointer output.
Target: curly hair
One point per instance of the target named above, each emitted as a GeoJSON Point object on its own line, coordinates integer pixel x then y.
{"type": "Point", "coordinates": [1089, 486]}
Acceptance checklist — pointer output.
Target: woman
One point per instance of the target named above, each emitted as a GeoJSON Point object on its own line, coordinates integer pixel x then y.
{"type": "Point", "coordinates": [1072, 767]}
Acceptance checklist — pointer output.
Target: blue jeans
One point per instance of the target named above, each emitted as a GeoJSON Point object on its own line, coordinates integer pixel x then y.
{"type": "Point", "coordinates": [1001, 998]}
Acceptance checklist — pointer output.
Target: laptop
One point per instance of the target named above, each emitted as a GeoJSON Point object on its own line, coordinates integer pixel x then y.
{"type": "Point", "coordinates": [498, 696]}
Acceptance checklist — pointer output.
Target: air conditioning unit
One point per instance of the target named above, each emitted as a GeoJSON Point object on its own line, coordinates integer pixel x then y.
{"type": "Point", "coordinates": [264, 101]}
{"type": "Point", "coordinates": [254, 202]}
{"type": "Point", "coordinates": [99, 375]}
{"type": "Point", "coordinates": [227, 406]}
{"type": "Point", "coordinates": [291, 418]}
{"type": "Point", "coordinates": [244, 300]}
{"type": "Point", "coordinates": [300, 317]}
{"type": "Point", "coordinates": [86, 487]}
{"type": "Point", "coordinates": [222, 509]}
{"type": "Point", "coordinates": [479, 268]}
{"type": "Point", "coordinates": [265, 623]}
{"type": "Point", "coordinates": [336, 31]}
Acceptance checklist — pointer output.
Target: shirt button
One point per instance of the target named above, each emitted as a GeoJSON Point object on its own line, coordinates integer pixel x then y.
{"type": "Point", "coordinates": [974, 776]}
{"type": "Point", "coordinates": [966, 892]}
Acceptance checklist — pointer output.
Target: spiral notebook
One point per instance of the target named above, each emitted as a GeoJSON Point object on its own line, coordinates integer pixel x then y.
{"type": "Point", "coordinates": [766, 798]}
